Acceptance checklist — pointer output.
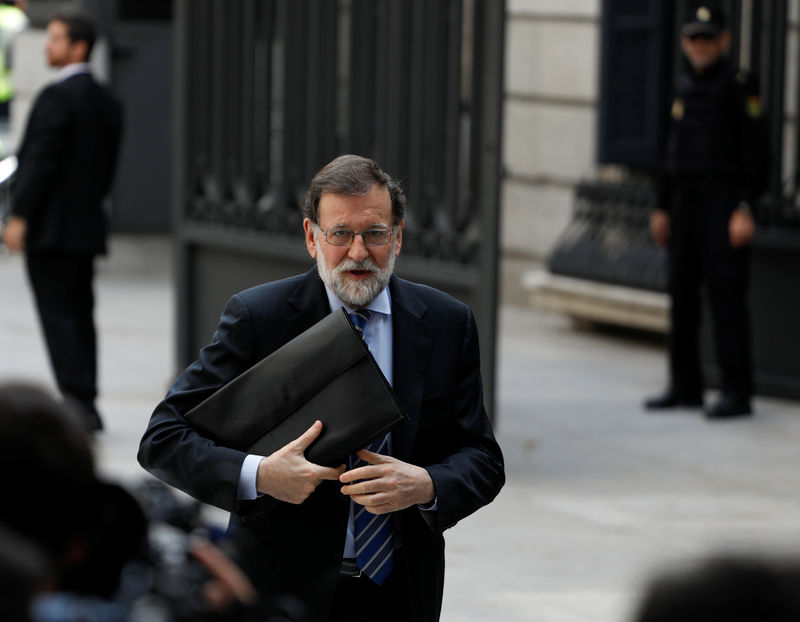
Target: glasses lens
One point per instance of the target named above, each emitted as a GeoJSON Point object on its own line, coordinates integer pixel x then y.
{"type": "Point", "coordinates": [339, 237]}
{"type": "Point", "coordinates": [377, 237]}
{"type": "Point", "coordinates": [345, 237]}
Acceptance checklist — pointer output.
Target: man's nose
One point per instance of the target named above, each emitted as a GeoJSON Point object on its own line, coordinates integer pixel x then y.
{"type": "Point", "coordinates": [358, 250]}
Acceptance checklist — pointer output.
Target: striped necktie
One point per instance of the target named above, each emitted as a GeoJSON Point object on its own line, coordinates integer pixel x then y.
{"type": "Point", "coordinates": [373, 533]}
{"type": "Point", "coordinates": [360, 319]}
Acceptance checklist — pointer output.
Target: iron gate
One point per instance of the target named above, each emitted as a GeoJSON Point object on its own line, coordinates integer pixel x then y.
{"type": "Point", "coordinates": [269, 91]}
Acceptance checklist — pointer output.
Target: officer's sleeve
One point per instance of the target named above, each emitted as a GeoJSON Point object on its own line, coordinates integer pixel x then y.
{"type": "Point", "coordinates": [753, 138]}
{"type": "Point", "coordinates": [663, 191]}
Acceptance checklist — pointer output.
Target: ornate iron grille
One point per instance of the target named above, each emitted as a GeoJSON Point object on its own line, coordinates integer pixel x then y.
{"type": "Point", "coordinates": [269, 91]}
{"type": "Point", "coordinates": [608, 239]}
{"type": "Point", "coordinates": [277, 89]}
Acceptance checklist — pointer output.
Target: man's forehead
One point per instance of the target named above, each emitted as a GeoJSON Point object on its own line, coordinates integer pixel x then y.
{"type": "Point", "coordinates": [374, 204]}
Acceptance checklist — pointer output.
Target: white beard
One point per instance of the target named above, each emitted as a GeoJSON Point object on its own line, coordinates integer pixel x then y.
{"type": "Point", "coordinates": [355, 294]}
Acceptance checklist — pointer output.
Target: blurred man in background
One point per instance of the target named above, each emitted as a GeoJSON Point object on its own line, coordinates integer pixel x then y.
{"type": "Point", "coordinates": [66, 166]}
{"type": "Point", "coordinates": [715, 171]}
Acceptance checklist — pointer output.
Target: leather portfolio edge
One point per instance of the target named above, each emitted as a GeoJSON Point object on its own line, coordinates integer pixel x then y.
{"type": "Point", "coordinates": [208, 429]}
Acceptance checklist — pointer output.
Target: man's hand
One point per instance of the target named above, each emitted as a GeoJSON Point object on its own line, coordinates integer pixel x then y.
{"type": "Point", "coordinates": [286, 475]}
{"type": "Point", "coordinates": [14, 233]}
{"type": "Point", "coordinates": [659, 226]}
{"type": "Point", "coordinates": [388, 484]}
{"type": "Point", "coordinates": [741, 228]}
{"type": "Point", "coordinates": [228, 583]}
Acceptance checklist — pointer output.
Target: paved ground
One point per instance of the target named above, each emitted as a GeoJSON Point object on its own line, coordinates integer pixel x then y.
{"type": "Point", "coordinates": [599, 494]}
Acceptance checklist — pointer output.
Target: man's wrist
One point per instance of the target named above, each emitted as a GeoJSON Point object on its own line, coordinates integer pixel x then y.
{"type": "Point", "coordinates": [429, 507]}
{"type": "Point", "coordinates": [428, 491]}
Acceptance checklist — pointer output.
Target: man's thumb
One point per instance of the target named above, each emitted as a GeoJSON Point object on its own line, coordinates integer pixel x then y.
{"type": "Point", "coordinates": [309, 436]}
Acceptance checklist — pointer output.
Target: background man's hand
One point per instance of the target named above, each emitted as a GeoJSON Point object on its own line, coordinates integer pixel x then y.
{"type": "Point", "coordinates": [286, 475]}
{"type": "Point", "coordinates": [741, 228]}
{"type": "Point", "coordinates": [228, 583]}
{"type": "Point", "coordinates": [388, 484]}
{"type": "Point", "coordinates": [659, 226]}
{"type": "Point", "coordinates": [14, 233]}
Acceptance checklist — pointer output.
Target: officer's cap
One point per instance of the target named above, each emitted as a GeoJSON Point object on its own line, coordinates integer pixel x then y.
{"type": "Point", "coordinates": [703, 21]}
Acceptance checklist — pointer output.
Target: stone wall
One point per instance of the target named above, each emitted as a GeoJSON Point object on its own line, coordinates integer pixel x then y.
{"type": "Point", "coordinates": [552, 56]}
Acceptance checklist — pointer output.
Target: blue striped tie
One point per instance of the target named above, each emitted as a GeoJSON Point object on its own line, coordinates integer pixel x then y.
{"type": "Point", "coordinates": [373, 533]}
{"type": "Point", "coordinates": [360, 319]}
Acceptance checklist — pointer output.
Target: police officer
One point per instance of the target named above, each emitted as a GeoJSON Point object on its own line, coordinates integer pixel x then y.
{"type": "Point", "coordinates": [715, 169]}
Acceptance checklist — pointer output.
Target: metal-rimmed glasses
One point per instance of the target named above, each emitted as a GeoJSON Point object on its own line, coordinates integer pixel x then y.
{"type": "Point", "coordinates": [376, 236]}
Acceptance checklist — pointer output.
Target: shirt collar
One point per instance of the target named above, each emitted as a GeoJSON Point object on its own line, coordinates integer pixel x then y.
{"type": "Point", "coordinates": [67, 71]}
{"type": "Point", "coordinates": [381, 304]}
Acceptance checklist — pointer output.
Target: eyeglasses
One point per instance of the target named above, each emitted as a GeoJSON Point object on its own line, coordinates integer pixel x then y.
{"type": "Point", "coordinates": [378, 236]}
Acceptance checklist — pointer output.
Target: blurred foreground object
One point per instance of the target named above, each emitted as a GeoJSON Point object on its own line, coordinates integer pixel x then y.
{"type": "Point", "coordinates": [83, 549]}
{"type": "Point", "coordinates": [725, 589]}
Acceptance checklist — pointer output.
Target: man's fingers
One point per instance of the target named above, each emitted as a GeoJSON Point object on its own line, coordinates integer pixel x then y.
{"type": "Point", "coordinates": [363, 486]}
{"type": "Point", "coordinates": [231, 580]}
{"type": "Point", "coordinates": [370, 457]}
{"type": "Point", "coordinates": [332, 473]}
{"type": "Point", "coordinates": [373, 505]}
{"type": "Point", "coordinates": [308, 437]}
{"type": "Point", "coordinates": [365, 472]}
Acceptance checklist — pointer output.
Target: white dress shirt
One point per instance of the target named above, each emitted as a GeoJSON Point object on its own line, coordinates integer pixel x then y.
{"type": "Point", "coordinates": [67, 71]}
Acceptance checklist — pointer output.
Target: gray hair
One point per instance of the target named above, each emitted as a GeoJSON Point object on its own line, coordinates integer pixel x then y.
{"type": "Point", "coordinates": [353, 176]}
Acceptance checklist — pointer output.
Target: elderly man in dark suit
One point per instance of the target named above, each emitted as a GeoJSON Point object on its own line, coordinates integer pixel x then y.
{"type": "Point", "coordinates": [66, 166]}
{"type": "Point", "coordinates": [365, 542]}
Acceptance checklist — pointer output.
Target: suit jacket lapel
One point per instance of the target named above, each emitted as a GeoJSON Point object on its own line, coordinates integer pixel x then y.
{"type": "Point", "coordinates": [412, 341]}
{"type": "Point", "coordinates": [309, 301]}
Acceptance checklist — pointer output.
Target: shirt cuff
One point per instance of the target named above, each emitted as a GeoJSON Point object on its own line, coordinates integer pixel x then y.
{"type": "Point", "coordinates": [247, 478]}
{"type": "Point", "coordinates": [431, 507]}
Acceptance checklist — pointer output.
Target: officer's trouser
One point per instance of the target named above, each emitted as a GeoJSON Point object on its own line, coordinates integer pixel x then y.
{"type": "Point", "coordinates": [700, 253]}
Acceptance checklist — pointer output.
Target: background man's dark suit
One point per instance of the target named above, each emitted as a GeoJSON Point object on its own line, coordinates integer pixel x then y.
{"type": "Point", "coordinates": [66, 166]}
{"type": "Point", "coordinates": [437, 379]}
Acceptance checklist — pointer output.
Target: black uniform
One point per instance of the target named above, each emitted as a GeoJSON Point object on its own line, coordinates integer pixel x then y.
{"type": "Point", "coordinates": [716, 158]}
{"type": "Point", "coordinates": [66, 166]}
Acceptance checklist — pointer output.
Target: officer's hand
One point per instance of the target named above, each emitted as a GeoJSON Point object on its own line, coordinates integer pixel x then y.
{"type": "Point", "coordinates": [286, 475]}
{"type": "Point", "coordinates": [659, 226]}
{"type": "Point", "coordinates": [388, 484]}
{"type": "Point", "coordinates": [14, 233]}
{"type": "Point", "coordinates": [741, 228]}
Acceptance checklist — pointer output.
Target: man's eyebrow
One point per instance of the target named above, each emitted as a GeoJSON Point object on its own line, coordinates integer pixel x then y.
{"type": "Point", "coordinates": [377, 225]}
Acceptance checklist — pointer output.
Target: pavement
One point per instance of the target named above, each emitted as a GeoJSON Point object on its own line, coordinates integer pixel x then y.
{"type": "Point", "coordinates": [600, 495]}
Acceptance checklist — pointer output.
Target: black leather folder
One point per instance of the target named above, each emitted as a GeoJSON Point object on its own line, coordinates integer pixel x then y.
{"type": "Point", "coordinates": [325, 373]}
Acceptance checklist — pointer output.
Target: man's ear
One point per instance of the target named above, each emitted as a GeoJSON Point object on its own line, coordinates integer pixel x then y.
{"type": "Point", "coordinates": [399, 241]}
{"type": "Point", "coordinates": [685, 46]}
{"type": "Point", "coordinates": [80, 52]}
{"type": "Point", "coordinates": [725, 41]}
{"type": "Point", "coordinates": [311, 241]}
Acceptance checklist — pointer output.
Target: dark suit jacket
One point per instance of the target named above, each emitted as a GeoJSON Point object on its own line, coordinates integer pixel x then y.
{"type": "Point", "coordinates": [66, 165]}
{"type": "Point", "coordinates": [437, 379]}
